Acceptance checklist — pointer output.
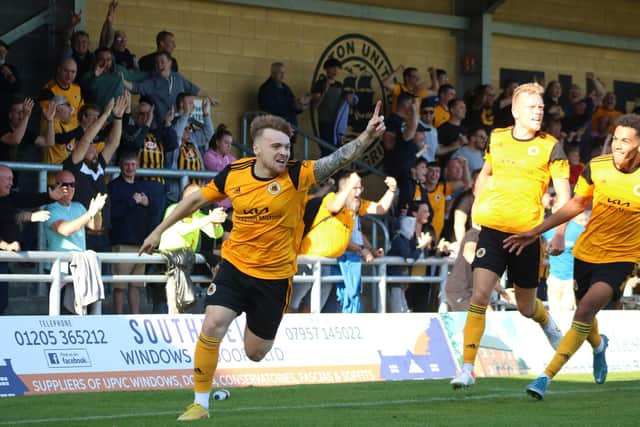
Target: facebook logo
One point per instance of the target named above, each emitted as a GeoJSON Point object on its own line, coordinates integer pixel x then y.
{"type": "Point", "coordinates": [67, 358]}
{"type": "Point", "coordinates": [53, 358]}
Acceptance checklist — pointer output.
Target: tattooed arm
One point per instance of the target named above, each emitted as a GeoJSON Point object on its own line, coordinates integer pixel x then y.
{"type": "Point", "coordinates": [326, 166]}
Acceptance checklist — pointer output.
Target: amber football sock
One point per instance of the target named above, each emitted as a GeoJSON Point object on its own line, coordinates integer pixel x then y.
{"type": "Point", "coordinates": [205, 363]}
{"type": "Point", "coordinates": [594, 336]}
{"type": "Point", "coordinates": [570, 343]}
{"type": "Point", "coordinates": [473, 330]}
{"type": "Point", "coordinates": [541, 316]}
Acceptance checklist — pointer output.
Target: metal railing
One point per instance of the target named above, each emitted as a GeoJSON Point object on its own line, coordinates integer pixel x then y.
{"type": "Point", "coordinates": [380, 279]}
{"type": "Point", "coordinates": [244, 149]}
{"type": "Point", "coordinates": [43, 169]}
{"type": "Point", "coordinates": [57, 278]}
{"type": "Point", "coordinates": [378, 224]}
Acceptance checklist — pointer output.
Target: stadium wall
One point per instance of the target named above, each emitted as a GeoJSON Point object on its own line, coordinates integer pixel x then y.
{"type": "Point", "coordinates": [613, 17]}
{"type": "Point", "coordinates": [227, 49]}
{"type": "Point", "coordinates": [553, 59]}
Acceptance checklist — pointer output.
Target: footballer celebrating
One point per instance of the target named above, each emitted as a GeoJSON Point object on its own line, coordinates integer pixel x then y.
{"type": "Point", "coordinates": [519, 162]}
{"type": "Point", "coordinates": [605, 253]}
{"type": "Point", "coordinates": [268, 193]}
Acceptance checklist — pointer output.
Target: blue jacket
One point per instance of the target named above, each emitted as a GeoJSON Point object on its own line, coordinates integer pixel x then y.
{"type": "Point", "coordinates": [342, 120]}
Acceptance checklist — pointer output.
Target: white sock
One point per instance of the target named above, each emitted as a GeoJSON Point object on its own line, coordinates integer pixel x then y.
{"type": "Point", "coordinates": [544, 375]}
{"type": "Point", "coordinates": [551, 325]}
{"type": "Point", "coordinates": [468, 367]}
{"type": "Point", "coordinates": [202, 399]}
{"type": "Point", "coordinates": [600, 348]}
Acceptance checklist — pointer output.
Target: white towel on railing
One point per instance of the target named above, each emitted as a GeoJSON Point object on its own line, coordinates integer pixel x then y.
{"type": "Point", "coordinates": [87, 281]}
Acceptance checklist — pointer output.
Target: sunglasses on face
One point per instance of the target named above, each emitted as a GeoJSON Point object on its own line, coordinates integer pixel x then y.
{"type": "Point", "coordinates": [67, 184]}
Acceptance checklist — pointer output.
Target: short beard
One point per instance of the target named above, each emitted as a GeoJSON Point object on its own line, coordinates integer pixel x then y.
{"type": "Point", "coordinates": [629, 164]}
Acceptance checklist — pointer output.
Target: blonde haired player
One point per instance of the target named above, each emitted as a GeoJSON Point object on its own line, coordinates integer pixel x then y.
{"type": "Point", "coordinates": [519, 162]}
{"type": "Point", "coordinates": [608, 250]}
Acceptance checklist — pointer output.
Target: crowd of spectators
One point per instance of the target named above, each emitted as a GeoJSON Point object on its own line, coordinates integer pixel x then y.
{"type": "Point", "coordinates": [88, 121]}
{"type": "Point", "coordinates": [433, 145]}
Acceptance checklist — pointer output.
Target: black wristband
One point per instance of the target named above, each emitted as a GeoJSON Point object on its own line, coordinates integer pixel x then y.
{"type": "Point", "coordinates": [117, 118]}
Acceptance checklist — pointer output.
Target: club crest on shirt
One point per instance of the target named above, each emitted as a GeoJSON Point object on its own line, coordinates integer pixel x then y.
{"type": "Point", "coordinates": [533, 150]}
{"type": "Point", "coordinates": [636, 190]}
{"type": "Point", "coordinates": [274, 188]}
{"type": "Point", "coordinates": [438, 197]}
{"type": "Point", "coordinates": [150, 145]}
{"type": "Point", "coordinates": [481, 252]}
{"type": "Point", "coordinates": [211, 289]}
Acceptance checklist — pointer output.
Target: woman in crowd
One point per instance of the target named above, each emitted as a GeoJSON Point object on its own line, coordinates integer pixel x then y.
{"type": "Point", "coordinates": [218, 155]}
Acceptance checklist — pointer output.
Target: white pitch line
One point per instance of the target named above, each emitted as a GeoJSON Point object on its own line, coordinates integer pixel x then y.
{"type": "Point", "coordinates": [319, 405]}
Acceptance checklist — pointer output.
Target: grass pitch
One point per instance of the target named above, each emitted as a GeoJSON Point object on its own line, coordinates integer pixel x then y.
{"type": "Point", "coordinates": [571, 400]}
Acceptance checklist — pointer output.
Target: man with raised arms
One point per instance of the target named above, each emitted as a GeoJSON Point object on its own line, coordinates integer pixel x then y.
{"type": "Point", "coordinates": [268, 193]}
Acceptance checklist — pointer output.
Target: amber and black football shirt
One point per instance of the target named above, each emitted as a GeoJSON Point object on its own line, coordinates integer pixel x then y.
{"type": "Point", "coordinates": [511, 201]}
{"type": "Point", "coordinates": [613, 231]}
{"type": "Point", "coordinates": [267, 216]}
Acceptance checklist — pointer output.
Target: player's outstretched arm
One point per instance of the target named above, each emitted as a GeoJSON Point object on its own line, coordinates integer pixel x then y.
{"type": "Point", "coordinates": [573, 207]}
{"type": "Point", "coordinates": [185, 208]}
{"type": "Point", "coordinates": [326, 166]}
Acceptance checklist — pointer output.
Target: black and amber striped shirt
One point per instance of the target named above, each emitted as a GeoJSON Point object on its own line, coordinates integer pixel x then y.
{"type": "Point", "coordinates": [152, 156]}
{"type": "Point", "coordinates": [189, 159]}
